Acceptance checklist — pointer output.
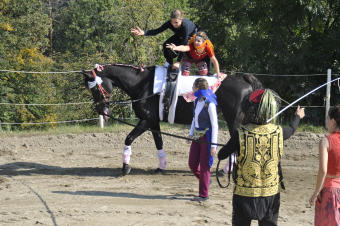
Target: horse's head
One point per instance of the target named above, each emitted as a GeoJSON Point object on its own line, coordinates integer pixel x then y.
{"type": "Point", "coordinates": [130, 79]}
{"type": "Point", "coordinates": [100, 89]}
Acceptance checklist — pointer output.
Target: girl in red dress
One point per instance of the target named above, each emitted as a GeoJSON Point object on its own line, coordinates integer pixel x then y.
{"type": "Point", "coordinates": [327, 190]}
{"type": "Point", "coordinates": [198, 48]}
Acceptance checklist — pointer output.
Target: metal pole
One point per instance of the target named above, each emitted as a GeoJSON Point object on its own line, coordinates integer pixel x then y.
{"type": "Point", "coordinates": [328, 93]}
{"type": "Point", "coordinates": [131, 110]}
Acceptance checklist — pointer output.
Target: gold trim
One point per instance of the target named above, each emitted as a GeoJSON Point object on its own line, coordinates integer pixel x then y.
{"type": "Point", "coordinates": [261, 148]}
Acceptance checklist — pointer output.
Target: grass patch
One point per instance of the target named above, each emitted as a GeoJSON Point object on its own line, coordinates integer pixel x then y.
{"type": "Point", "coordinates": [79, 128]}
{"type": "Point", "coordinates": [119, 127]}
{"type": "Point", "coordinates": [64, 129]}
{"type": "Point", "coordinates": [167, 126]}
{"type": "Point", "coordinates": [311, 128]}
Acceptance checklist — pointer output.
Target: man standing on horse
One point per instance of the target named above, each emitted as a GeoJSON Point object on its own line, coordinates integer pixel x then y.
{"type": "Point", "coordinates": [183, 28]}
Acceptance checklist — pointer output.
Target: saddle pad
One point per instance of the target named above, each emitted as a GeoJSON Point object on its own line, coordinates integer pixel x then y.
{"type": "Point", "coordinates": [160, 76]}
{"type": "Point", "coordinates": [185, 83]}
{"type": "Point", "coordinates": [214, 84]}
{"type": "Point", "coordinates": [183, 88]}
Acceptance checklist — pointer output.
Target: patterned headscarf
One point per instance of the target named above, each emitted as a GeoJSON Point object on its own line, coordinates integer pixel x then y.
{"type": "Point", "coordinates": [263, 105]}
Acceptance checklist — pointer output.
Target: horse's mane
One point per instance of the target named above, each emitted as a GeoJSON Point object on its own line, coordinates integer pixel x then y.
{"type": "Point", "coordinates": [140, 67]}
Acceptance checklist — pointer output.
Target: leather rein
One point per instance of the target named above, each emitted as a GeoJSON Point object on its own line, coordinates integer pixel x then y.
{"type": "Point", "coordinates": [101, 88]}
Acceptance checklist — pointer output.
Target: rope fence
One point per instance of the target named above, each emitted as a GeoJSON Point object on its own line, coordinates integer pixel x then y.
{"type": "Point", "coordinates": [237, 72]}
{"type": "Point", "coordinates": [44, 123]}
{"type": "Point", "coordinates": [84, 103]}
{"type": "Point", "coordinates": [277, 75]}
{"type": "Point", "coordinates": [58, 122]}
{"type": "Point", "coordinates": [45, 104]}
{"type": "Point", "coordinates": [60, 104]}
{"type": "Point", "coordinates": [41, 72]}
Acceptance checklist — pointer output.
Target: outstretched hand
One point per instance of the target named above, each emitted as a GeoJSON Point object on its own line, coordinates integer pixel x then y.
{"type": "Point", "coordinates": [137, 31]}
{"type": "Point", "coordinates": [300, 112]}
{"type": "Point", "coordinates": [171, 46]}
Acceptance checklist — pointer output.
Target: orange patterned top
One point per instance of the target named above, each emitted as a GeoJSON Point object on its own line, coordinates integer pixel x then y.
{"type": "Point", "coordinates": [196, 53]}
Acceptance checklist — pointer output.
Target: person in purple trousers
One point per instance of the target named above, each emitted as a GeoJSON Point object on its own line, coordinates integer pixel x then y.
{"type": "Point", "coordinates": [204, 129]}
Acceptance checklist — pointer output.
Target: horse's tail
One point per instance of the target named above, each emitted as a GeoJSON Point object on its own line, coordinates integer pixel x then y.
{"type": "Point", "coordinates": [253, 81]}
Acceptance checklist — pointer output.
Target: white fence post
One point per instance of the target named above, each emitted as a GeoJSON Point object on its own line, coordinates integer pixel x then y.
{"type": "Point", "coordinates": [328, 94]}
{"type": "Point", "coordinates": [131, 110]}
{"type": "Point", "coordinates": [101, 121]}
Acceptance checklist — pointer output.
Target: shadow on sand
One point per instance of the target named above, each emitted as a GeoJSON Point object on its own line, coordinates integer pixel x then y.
{"type": "Point", "coordinates": [28, 168]}
{"type": "Point", "coordinates": [126, 195]}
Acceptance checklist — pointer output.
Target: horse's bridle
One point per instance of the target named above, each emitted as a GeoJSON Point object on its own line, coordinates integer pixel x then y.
{"type": "Point", "coordinates": [106, 95]}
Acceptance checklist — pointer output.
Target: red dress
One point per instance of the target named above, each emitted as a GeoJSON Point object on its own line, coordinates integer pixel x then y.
{"type": "Point", "coordinates": [207, 51]}
{"type": "Point", "coordinates": [327, 205]}
{"type": "Point", "coordinates": [196, 55]}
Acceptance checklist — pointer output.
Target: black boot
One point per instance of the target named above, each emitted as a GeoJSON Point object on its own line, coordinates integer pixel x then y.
{"type": "Point", "coordinates": [169, 90]}
{"type": "Point", "coordinates": [171, 74]}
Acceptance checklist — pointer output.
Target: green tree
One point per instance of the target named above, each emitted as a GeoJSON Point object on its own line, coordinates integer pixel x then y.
{"type": "Point", "coordinates": [276, 37]}
{"type": "Point", "coordinates": [88, 32]}
{"type": "Point", "coordinates": [23, 31]}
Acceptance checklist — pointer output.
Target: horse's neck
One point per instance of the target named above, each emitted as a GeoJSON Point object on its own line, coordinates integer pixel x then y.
{"type": "Point", "coordinates": [128, 79]}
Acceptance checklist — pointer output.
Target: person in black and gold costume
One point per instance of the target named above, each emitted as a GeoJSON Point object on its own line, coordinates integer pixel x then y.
{"type": "Point", "coordinates": [259, 147]}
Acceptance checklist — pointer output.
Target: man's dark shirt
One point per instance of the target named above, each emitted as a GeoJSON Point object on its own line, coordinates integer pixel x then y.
{"type": "Point", "coordinates": [184, 32]}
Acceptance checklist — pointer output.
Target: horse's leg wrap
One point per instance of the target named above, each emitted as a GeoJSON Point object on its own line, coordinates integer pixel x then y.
{"type": "Point", "coordinates": [126, 154]}
{"type": "Point", "coordinates": [162, 159]}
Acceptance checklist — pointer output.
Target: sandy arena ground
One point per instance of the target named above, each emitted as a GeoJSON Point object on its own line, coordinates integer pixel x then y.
{"type": "Point", "coordinates": [75, 179]}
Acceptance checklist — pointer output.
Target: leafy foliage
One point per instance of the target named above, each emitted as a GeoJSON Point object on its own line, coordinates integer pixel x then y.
{"type": "Point", "coordinates": [276, 37]}
{"type": "Point", "coordinates": [23, 43]}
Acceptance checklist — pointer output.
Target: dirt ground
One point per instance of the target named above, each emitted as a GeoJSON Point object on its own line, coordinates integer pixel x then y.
{"type": "Point", "coordinates": [75, 179]}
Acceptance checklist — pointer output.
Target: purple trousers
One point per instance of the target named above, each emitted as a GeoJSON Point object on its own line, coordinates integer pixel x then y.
{"type": "Point", "coordinates": [199, 165]}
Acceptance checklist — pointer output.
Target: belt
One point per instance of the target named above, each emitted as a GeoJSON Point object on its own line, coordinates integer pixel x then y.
{"type": "Point", "coordinates": [199, 133]}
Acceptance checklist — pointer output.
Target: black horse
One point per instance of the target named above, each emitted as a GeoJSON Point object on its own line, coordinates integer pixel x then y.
{"type": "Point", "coordinates": [138, 84]}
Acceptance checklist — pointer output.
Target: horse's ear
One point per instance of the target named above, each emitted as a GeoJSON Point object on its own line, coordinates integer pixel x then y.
{"type": "Point", "coordinates": [87, 74]}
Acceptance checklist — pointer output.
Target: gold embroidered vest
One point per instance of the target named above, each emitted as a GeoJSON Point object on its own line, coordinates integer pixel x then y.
{"type": "Point", "coordinates": [261, 148]}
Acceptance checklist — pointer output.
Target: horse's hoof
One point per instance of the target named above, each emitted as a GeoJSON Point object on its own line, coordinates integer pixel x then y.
{"type": "Point", "coordinates": [126, 169]}
{"type": "Point", "coordinates": [159, 171]}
